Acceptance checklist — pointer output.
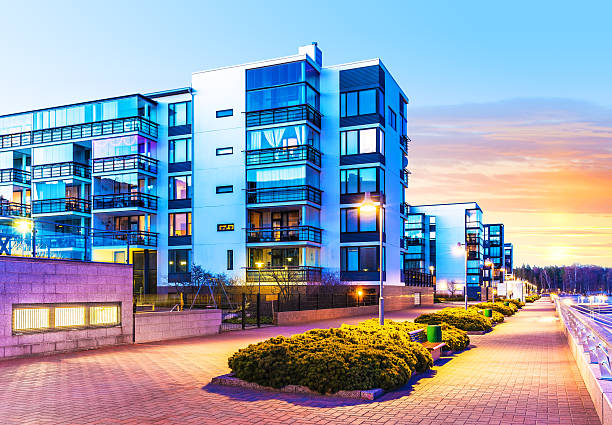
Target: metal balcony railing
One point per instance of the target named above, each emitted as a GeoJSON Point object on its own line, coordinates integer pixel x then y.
{"type": "Point", "coordinates": [405, 242]}
{"type": "Point", "coordinates": [14, 175]}
{"type": "Point", "coordinates": [284, 234]}
{"type": "Point", "coordinates": [125, 200]}
{"type": "Point", "coordinates": [404, 208]}
{"type": "Point", "coordinates": [284, 274]}
{"type": "Point", "coordinates": [48, 206]}
{"type": "Point", "coordinates": [125, 162]}
{"type": "Point", "coordinates": [123, 238]}
{"type": "Point", "coordinates": [79, 131]}
{"type": "Point", "coordinates": [404, 142]}
{"type": "Point", "coordinates": [14, 209]}
{"type": "Point", "coordinates": [285, 114]}
{"type": "Point", "coordinates": [61, 169]}
{"type": "Point", "coordinates": [284, 194]}
{"type": "Point", "coordinates": [418, 278]}
{"type": "Point", "coordinates": [404, 173]}
{"type": "Point", "coordinates": [283, 154]}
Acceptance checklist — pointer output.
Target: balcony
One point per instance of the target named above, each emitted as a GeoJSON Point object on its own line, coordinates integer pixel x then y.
{"type": "Point", "coordinates": [61, 205]}
{"type": "Point", "coordinates": [284, 274]}
{"type": "Point", "coordinates": [133, 200]}
{"type": "Point", "coordinates": [404, 173]}
{"type": "Point", "coordinates": [14, 209]}
{"type": "Point", "coordinates": [282, 115]}
{"type": "Point", "coordinates": [404, 142]}
{"type": "Point", "coordinates": [125, 163]}
{"type": "Point", "coordinates": [14, 175]}
{"type": "Point", "coordinates": [61, 169]}
{"type": "Point", "coordinates": [124, 238]}
{"type": "Point", "coordinates": [284, 154]}
{"type": "Point", "coordinates": [284, 234]}
{"type": "Point", "coordinates": [80, 131]}
{"type": "Point", "coordinates": [405, 242]}
{"type": "Point", "coordinates": [404, 208]}
{"type": "Point", "coordinates": [284, 194]}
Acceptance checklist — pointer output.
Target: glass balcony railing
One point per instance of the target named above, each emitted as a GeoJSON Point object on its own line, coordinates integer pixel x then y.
{"type": "Point", "coordinates": [14, 209]}
{"type": "Point", "coordinates": [125, 200]}
{"type": "Point", "coordinates": [284, 154]}
{"type": "Point", "coordinates": [79, 131]}
{"type": "Point", "coordinates": [125, 162]}
{"type": "Point", "coordinates": [405, 242]}
{"type": "Point", "coordinates": [61, 169]}
{"type": "Point", "coordinates": [284, 234]}
{"type": "Point", "coordinates": [284, 194]}
{"type": "Point", "coordinates": [14, 175]}
{"type": "Point", "coordinates": [404, 173]}
{"type": "Point", "coordinates": [404, 208]}
{"type": "Point", "coordinates": [123, 238]}
{"type": "Point", "coordinates": [59, 205]}
{"type": "Point", "coordinates": [281, 115]}
{"type": "Point", "coordinates": [404, 140]}
{"type": "Point", "coordinates": [284, 274]}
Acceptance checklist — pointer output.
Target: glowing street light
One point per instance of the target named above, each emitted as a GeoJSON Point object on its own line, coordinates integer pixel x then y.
{"type": "Point", "coordinates": [368, 206]}
{"type": "Point", "coordinates": [259, 265]}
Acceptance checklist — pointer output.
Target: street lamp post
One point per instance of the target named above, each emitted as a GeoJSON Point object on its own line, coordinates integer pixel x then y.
{"type": "Point", "coordinates": [259, 265]}
{"type": "Point", "coordinates": [368, 206]}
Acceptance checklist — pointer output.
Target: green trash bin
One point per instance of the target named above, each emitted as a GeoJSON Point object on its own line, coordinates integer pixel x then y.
{"type": "Point", "coordinates": [488, 312]}
{"type": "Point", "coordinates": [434, 333]}
{"type": "Point", "coordinates": [506, 303]}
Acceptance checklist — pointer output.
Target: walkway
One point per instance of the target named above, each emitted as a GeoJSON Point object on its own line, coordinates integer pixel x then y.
{"type": "Point", "coordinates": [522, 373]}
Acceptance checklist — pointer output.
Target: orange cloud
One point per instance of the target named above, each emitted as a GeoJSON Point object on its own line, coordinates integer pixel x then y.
{"type": "Point", "coordinates": [530, 164]}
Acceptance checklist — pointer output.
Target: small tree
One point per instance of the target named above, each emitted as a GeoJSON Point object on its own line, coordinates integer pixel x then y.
{"type": "Point", "coordinates": [452, 288]}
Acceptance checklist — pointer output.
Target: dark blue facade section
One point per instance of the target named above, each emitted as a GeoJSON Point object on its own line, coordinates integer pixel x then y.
{"type": "Point", "coordinates": [362, 78]}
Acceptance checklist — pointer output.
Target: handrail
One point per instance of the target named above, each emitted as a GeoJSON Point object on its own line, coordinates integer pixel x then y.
{"type": "Point", "coordinates": [61, 169]}
{"type": "Point", "coordinates": [125, 162]}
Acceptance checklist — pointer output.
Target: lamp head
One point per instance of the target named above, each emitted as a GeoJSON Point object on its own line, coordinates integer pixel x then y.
{"type": "Point", "coordinates": [367, 205]}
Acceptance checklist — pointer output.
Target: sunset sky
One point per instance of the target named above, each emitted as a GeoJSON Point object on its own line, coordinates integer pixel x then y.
{"type": "Point", "coordinates": [510, 103]}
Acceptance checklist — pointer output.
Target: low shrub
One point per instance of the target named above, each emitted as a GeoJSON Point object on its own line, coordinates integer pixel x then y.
{"type": "Point", "coordinates": [455, 338]}
{"type": "Point", "coordinates": [532, 298]}
{"type": "Point", "coordinates": [466, 320]}
{"type": "Point", "coordinates": [328, 360]}
{"type": "Point", "coordinates": [497, 317]}
{"type": "Point", "coordinates": [506, 310]}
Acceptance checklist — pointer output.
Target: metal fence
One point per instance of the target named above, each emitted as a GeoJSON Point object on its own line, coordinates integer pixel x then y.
{"type": "Point", "coordinates": [316, 301]}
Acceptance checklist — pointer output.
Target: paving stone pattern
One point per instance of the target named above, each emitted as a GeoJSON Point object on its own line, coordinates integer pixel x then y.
{"type": "Point", "coordinates": [522, 373]}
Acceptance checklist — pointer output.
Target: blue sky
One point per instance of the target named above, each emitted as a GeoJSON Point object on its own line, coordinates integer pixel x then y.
{"type": "Point", "coordinates": [510, 103]}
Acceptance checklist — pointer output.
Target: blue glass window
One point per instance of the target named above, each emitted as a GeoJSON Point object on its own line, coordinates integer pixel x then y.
{"type": "Point", "coordinates": [280, 97]}
{"type": "Point", "coordinates": [283, 74]}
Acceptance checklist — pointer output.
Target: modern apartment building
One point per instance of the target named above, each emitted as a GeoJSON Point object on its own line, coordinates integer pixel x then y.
{"type": "Point", "coordinates": [509, 258]}
{"type": "Point", "coordinates": [494, 265]}
{"type": "Point", "coordinates": [448, 241]}
{"type": "Point", "coordinates": [256, 171]}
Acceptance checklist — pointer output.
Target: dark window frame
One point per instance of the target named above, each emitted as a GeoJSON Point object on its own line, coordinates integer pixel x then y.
{"type": "Point", "coordinates": [344, 258]}
{"type": "Point", "coordinates": [230, 259]}
{"type": "Point", "coordinates": [174, 267]}
{"type": "Point", "coordinates": [172, 223]}
{"type": "Point", "coordinates": [380, 182]}
{"type": "Point", "coordinates": [224, 113]}
{"type": "Point", "coordinates": [344, 215]}
{"type": "Point", "coordinates": [172, 149]}
{"type": "Point", "coordinates": [221, 151]}
{"type": "Point", "coordinates": [392, 119]}
{"type": "Point", "coordinates": [172, 187]}
{"type": "Point", "coordinates": [379, 109]}
{"type": "Point", "coordinates": [224, 189]}
{"type": "Point", "coordinates": [172, 113]}
{"type": "Point", "coordinates": [380, 141]}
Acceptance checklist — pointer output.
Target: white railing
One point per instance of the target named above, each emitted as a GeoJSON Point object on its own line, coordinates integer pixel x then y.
{"type": "Point", "coordinates": [590, 329]}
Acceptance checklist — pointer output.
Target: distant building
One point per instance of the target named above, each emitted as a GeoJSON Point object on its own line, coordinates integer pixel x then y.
{"type": "Point", "coordinates": [494, 263]}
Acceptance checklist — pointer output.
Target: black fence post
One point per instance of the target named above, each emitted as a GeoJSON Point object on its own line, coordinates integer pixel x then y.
{"type": "Point", "coordinates": [299, 302]}
{"type": "Point", "coordinates": [243, 311]}
{"type": "Point", "coordinates": [258, 310]}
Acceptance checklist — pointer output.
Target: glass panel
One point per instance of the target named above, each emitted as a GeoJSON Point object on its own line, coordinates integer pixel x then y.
{"type": "Point", "coordinates": [282, 137]}
{"type": "Point", "coordinates": [286, 73]}
{"type": "Point", "coordinates": [367, 102]}
{"type": "Point", "coordinates": [351, 143]}
{"type": "Point", "coordinates": [367, 180]}
{"type": "Point", "coordinates": [368, 221]}
{"type": "Point", "coordinates": [352, 217]}
{"type": "Point", "coordinates": [276, 97]}
{"type": "Point", "coordinates": [351, 181]}
{"type": "Point", "coordinates": [367, 140]}
{"type": "Point", "coordinates": [352, 260]}
{"type": "Point", "coordinates": [351, 104]}
{"type": "Point", "coordinates": [368, 258]}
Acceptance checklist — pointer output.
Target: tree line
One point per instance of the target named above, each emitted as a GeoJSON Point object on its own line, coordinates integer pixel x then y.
{"type": "Point", "coordinates": [578, 278]}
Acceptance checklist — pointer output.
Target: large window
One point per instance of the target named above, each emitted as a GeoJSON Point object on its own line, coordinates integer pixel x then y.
{"type": "Point", "coordinates": [297, 175]}
{"type": "Point", "coordinates": [354, 220]}
{"type": "Point", "coordinates": [179, 114]}
{"type": "Point", "coordinates": [283, 96]}
{"type": "Point", "coordinates": [277, 137]}
{"type": "Point", "coordinates": [366, 140]}
{"type": "Point", "coordinates": [179, 224]}
{"type": "Point", "coordinates": [359, 259]}
{"type": "Point", "coordinates": [283, 74]}
{"type": "Point", "coordinates": [362, 102]}
{"type": "Point", "coordinates": [179, 150]}
{"type": "Point", "coordinates": [361, 180]}
{"type": "Point", "coordinates": [392, 119]}
{"type": "Point", "coordinates": [179, 187]}
{"type": "Point", "coordinates": [179, 260]}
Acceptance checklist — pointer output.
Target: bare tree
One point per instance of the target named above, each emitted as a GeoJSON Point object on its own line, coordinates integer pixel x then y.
{"type": "Point", "coordinates": [452, 288]}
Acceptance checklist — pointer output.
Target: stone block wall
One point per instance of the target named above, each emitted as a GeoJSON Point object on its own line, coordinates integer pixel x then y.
{"type": "Point", "coordinates": [165, 325]}
{"type": "Point", "coordinates": [35, 281]}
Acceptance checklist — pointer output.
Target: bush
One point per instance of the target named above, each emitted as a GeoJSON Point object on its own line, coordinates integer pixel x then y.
{"type": "Point", "coordinates": [468, 320]}
{"type": "Point", "coordinates": [518, 303]}
{"type": "Point", "coordinates": [506, 310]}
{"type": "Point", "coordinates": [497, 317]}
{"type": "Point", "coordinates": [328, 360]}
{"type": "Point", "coordinates": [455, 338]}
{"type": "Point", "coordinates": [532, 298]}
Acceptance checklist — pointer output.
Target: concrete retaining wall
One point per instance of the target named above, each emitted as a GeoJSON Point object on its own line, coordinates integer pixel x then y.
{"type": "Point", "coordinates": [161, 326]}
{"type": "Point", "coordinates": [35, 281]}
{"type": "Point", "coordinates": [396, 298]}
{"type": "Point", "coordinates": [599, 390]}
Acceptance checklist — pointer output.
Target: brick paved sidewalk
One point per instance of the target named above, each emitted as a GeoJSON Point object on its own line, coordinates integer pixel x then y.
{"type": "Point", "coordinates": [522, 373]}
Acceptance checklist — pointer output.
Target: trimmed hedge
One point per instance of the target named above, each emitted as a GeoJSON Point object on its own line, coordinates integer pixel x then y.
{"type": "Point", "coordinates": [455, 338]}
{"type": "Point", "coordinates": [518, 303]}
{"type": "Point", "coordinates": [506, 310]}
{"type": "Point", "coordinates": [532, 298]}
{"type": "Point", "coordinates": [496, 318]}
{"type": "Point", "coordinates": [469, 320]}
{"type": "Point", "coordinates": [328, 360]}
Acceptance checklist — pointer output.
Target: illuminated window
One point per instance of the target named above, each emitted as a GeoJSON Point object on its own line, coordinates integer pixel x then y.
{"type": "Point", "coordinates": [29, 319]}
{"type": "Point", "coordinates": [69, 316]}
{"type": "Point", "coordinates": [103, 315]}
